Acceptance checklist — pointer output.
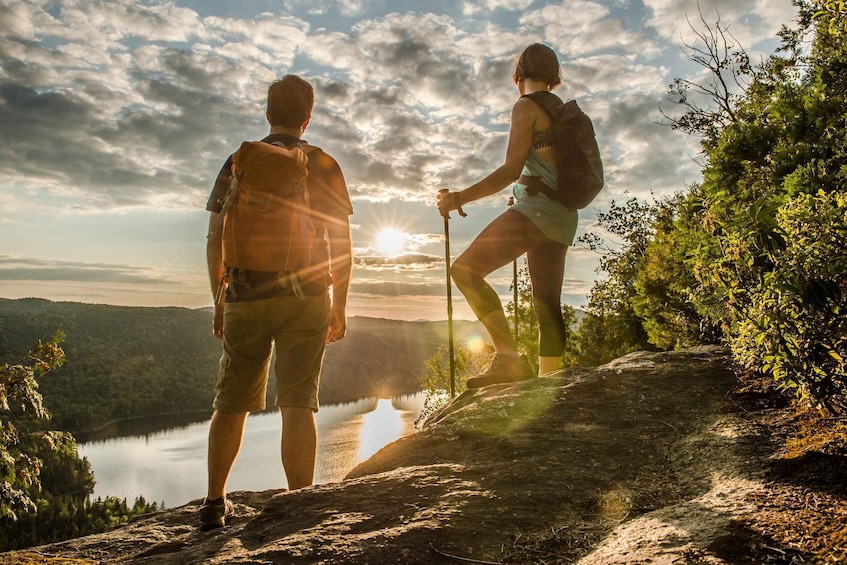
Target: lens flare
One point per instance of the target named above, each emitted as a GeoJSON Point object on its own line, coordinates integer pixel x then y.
{"type": "Point", "coordinates": [391, 242]}
{"type": "Point", "coordinates": [475, 344]}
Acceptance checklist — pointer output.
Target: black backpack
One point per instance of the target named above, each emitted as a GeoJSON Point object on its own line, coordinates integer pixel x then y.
{"type": "Point", "coordinates": [578, 163]}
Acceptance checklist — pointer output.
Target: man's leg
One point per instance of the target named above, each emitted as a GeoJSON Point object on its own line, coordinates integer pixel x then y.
{"type": "Point", "coordinates": [300, 346]}
{"type": "Point", "coordinates": [225, 433]}
{"type": "Point", "coordinates": [298, 445]}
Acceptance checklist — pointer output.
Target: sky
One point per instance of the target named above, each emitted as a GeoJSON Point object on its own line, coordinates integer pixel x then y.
{"type": "Point", "coordinates": [115, 117]}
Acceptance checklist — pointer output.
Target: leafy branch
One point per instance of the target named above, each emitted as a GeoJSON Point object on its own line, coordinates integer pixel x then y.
{"type": "Point", "coordinates": [20, 405]}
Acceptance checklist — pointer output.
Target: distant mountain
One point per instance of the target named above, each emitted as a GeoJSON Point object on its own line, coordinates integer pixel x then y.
{"type": "Point", "coordinates": [133, 361]}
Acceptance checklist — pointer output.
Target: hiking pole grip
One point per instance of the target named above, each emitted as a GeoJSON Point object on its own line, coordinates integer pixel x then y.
{"type": "Point", "coordinates": [459, 209]}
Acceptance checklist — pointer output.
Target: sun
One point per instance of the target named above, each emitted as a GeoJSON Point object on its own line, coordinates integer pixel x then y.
{"type": "Point", "coordinates": [391, 242]}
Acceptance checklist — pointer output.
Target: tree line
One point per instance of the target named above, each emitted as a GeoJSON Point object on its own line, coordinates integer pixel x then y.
{"type": "Point", "coordinates": [45, 488]}
{"type": "Point", "coordinates": [126, 362]}
{"type": "Point", "coordinates": [755, 255]}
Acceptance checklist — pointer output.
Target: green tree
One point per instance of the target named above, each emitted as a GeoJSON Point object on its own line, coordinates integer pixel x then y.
{"type": "Point", "coordinates": [612, 327]}
{"type": "Point", "coordinates": [21, 419]}
{"type": "Point", "coordinates": [436, 381]}
{"type": "Point", "coordinates": [45, 489]}
{"type": "Point", "coordinates": [764, 236]}
{"type": "Point", "coordinates": [664, 282]}
{"type": "Point", "coordinates": [795, 328]}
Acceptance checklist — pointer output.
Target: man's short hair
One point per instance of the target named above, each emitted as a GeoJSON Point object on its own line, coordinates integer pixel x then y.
{"type": "Point", "coordinates": [290, 101]}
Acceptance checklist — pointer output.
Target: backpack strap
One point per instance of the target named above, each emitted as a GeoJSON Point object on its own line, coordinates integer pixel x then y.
{"type": "Point", "coordinates": [228, 200]}
{"type": "Point", "coordinates": [549, 102]}
{"type": "Point", "coordinates": [534, 185]}
{"type": "Point", "coordinates": [546, 99]}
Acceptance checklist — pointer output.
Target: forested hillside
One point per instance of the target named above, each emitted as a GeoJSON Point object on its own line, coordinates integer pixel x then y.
{"type": "Point", "coordinates": [125, 362]}
{"type": "Point", "coordinates": [755, 255]}
{"type": "Point", "coordinates": [383, 357]}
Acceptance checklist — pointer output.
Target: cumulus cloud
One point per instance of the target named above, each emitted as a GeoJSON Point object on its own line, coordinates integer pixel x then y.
{"type": "Point", "coordinates": [151, 97]}
{"type": "Point", "coordinates": [483, 6]}
{"type": "Point", "coordinates": [107, 100]}
{"type": "Point", "coordinates": [581, 27]}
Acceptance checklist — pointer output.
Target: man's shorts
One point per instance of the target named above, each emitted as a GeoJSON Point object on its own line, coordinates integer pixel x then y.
{"type": "Point", "coordinates": [297, 327]}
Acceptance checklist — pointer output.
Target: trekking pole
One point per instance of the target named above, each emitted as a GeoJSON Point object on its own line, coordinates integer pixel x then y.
{"type": "Point", "coordinates": [515, 284]}
{"type": "Point", "coordinates": [450, 297]}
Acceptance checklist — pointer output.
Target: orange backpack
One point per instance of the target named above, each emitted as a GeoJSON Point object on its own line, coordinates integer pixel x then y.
{"type": "Point", "coordinates": [267, 224]}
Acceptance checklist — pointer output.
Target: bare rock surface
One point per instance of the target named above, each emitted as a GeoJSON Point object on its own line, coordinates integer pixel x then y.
{"type": "Point", "coordinates": [642, 460]}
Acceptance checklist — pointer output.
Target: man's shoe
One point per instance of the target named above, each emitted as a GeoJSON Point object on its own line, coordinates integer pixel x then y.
{"type": "Point", "coordinates": [215, 514]}
{"type": "Point", "coordinates": [503, 369]}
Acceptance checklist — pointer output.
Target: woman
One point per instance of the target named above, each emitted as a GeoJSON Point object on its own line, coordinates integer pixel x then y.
{"type": "Point", "coordinates": [535, 225]}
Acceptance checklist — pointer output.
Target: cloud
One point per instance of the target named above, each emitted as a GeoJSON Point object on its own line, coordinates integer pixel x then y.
{"type": "Point", "coordinates": [345, 7]}
{"type": "Point", "coordinates": [116, 106]}
{"type": "Point", "coordinates": [472, 8]}
{"type": "Point", "coordinates": [83, 20]}
{"type": "Point", "coordinates": [152, 97]}
{"type": "Point", "coordinates": [577, 28]}
{"type": "Point", "coordinates": [29, 269]}
{"type": "Point", "coordinates": [134, 100]}
{"type": "Point", "coordinates": [406, 261]}
{"type": "Point", "coordinates": [392, 289]}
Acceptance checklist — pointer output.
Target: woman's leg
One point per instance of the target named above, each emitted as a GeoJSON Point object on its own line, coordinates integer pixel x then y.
{"type": "Point", "coordinates": [546, 270]}
{"type": "Point", "coordinates": [504, 239]}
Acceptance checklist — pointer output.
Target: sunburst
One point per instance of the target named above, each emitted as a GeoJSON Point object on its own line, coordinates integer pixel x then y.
{"type": "Point", "coordinates": [391, 242]}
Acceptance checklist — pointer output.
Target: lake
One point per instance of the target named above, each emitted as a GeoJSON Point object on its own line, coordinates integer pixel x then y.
{"type": "Point", "coordinates": [168, 463]}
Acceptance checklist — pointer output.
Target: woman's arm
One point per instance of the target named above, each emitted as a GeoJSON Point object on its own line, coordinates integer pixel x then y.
{"type": "Point", "coordinates": [524, 115]}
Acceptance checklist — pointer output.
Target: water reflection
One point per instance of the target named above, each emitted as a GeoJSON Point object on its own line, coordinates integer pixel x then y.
{"type": "Point", "coordinates": [379, 428]}
{"type": "Point", "coordinates": [170, 464]}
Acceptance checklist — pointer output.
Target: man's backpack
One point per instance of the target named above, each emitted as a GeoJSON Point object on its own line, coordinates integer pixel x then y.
{"type": "Point", "coordinates": [267, 223]}
{"type": "Point", "coordinates": [578, 163]}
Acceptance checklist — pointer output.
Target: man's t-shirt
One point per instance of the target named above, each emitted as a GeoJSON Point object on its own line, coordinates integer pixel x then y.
{"type": "Point", "coordinates": [325, 206]}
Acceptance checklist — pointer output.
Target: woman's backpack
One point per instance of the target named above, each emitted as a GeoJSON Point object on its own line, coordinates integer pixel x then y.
{"type": "Point", "coordinates": [578, 163]}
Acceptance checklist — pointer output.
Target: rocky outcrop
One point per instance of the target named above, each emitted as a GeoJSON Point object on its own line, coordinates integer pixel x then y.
{"type": "Point", "coordinates": [638, 459]}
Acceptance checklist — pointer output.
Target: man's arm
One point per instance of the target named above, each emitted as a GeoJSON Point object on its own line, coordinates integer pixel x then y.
{"type": "Point", "coordinates": [214, 260]}
{"type": "Point", "coordinates": [330, 181]}
{"type": "Point", "coordinates": [341, 262]}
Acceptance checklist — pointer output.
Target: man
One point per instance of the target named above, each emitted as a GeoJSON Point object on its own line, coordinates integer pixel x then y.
{"type": "Point", "coordinates": [260, 313]}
